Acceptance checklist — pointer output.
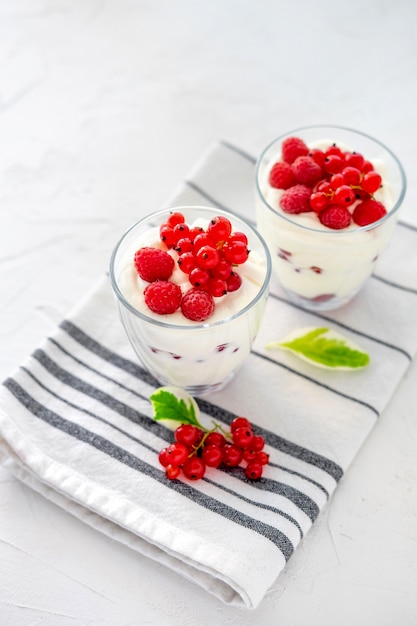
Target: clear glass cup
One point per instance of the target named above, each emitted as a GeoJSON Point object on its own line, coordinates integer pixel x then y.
{"type": "Point", "coordinates": [320, 268]}
{"type": "Point", "coordinates": [200, 357]}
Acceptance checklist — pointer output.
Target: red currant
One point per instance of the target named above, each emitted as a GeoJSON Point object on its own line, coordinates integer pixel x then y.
{"type": "Point", "coordinates": [222, 270]}
{"type": "Point", "coordinates": [212, 455]}
{"type": "Point", "coordinates": [233, 282]}
{"type": "Point", "coordinates": [216, 439]}
{"type": "Point", "coordinates": [194, 468]}
{"type": "Point", "coordinates": [216, 287]}
{"type": "Point", "coordinates": [371, 182]}
{"type": "Point", "coordinates": [367, 167]}
{"type": "Point", "coordinates": [354, 159]}
{"type": "Point", "coordinates": [167, 235]}
{"type": "Point", "coordinates": [207, 257]}
{"type": "Point", "coordinates": [318, 201]}
{"type": "Point", "coordinates": [242, 437]}
{"type": "Point", "coordinates": [187, 262]}
{"type": "Point", "coordinates": [172, 471]}
{"type": "Point", "coordinates": [164, 457]}
{"type": "Point", "coordinates": [188, 434]}
{"type": "Point", "coordinates": [337, 181]}
{"type": "Point", "coordinates": [351, 175]}
{"type": "Point", "coordinates": [184, 244]}
{"type": "Point", "coordinates": [333, 164]}
{"type": "Point", "coordinates": [240, 422]}
{"type": "Point", "coordinates": [181, 231]}
{"type": "Point", "coordinates": [258, 443]}
{"type": "Point", "coordinates": [203, 239]}
{"type": "Point", "coordinates": [199, 277]}
{"type": "Point", "coordinates": [334, 150]}
{"type": "Point", "coordinates": [232, 455]}
{"type": "Point", "coordinates": [262, 457]}
{"type": "Point", "coordinates": [249, 454]}
{"type": "Point", "coordinates": [344, 195]}
{"type": "Point", "coordinates": [254, 470]}
{"type": "Point", "coordinates": [177, 453]}
{"type": "Point", "coordinates": [195, 231]}
{"type": "Point", "coordinates": [324, 187]}
{"type": "Point", "coordinates": [219, 228]}
{"type": "Point", "coordinates": [236, 253]}
{"type": "Point", "coordinates": [237, 236]}
{"type": "Point", "coordinates": [175, 218]}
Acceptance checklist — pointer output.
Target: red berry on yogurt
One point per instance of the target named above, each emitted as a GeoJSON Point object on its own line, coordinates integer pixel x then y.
{"type": "Point", "coordinates": [153, 264]}
{"type": "Point", "coordinates": [197, 305]}
{"type": "Point", "coordinates": [367, 212]}
{"type": "Point", "coordinates": [163, 297]}
{"type": "Point", "coordinates": [296, 199]}
{"type": "Point", "coordinates": [335, 217]}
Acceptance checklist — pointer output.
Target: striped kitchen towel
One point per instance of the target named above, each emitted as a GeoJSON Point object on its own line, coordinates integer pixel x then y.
{"type": "Point", "coordinates": [76, 422]}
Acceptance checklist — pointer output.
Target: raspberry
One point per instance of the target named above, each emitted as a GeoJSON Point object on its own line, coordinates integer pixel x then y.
{"type": "Point", "coordinates": [293, 147]}
{"type": "Point", "coordinates": [281, 176]}
{"type": "Point", "coordinates": [306, 170]}
{"type": "Point", "coordinates": [163, 297]}
{"type": "Point", "coordinates": [153, 264]}
{"type": "Point", "coordinates": [197, 305]}
{"type": "Point", "coordinates": [335, 216]}
{"type": "Point", "coordinates": [367, 212]}
{"type": "Point", "coordinates": [296, 199]}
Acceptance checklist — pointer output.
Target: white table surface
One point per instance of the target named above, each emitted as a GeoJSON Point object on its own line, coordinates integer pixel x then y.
{"type": "Point", "coordinates": [104, 108]}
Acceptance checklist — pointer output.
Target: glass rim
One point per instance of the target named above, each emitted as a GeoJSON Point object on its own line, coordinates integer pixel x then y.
{"type": "Point", "coordinates": [202, 325]}
{"type": "Point", "coordinates": [330, 232]}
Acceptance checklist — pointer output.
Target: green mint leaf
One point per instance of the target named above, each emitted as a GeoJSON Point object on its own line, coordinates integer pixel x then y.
{"type": "Point", "coordinates": [170, 403]}
{"type": "Point", "coordinates": [324, 348]}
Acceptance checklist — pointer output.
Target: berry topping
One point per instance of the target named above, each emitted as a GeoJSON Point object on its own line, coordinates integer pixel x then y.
{"type": "Point", "coordinates": [318, 201]}
{"type": "Point", "coordinates": [163, 297]}
{"type": "Point", "coordinates": [167, 235]}
{"type": "Point", "coordinates": [335, 216]}
{"type": "Point", "coordinates": [307, 171]}
{"type": "Point", "coordinates": [293, 147]}
{"type": "Point", "coordinates": [233, 282]}
{"type": "Point", "coordinates": [153, 264]}
{"type": "Point", "coordinates": [281, 176]}
{"type": "Point", "coordinates": [333, 164]}
{"type": "Point", "coordinates": [206, 256]}
{"type": "Point", "coordinates": [344, 195]}
{"type": "Point", "coordinates": [368, 212]}
{"type": "Point", "coordinates": [197, 305]}
{"type": "Point", "coordinates": [219, 228]}
{"type": "Point", "coordinates": [327, 182]}
{"type": "Point", "coordinates": [175, 218]}
{"type": "Point", "coordinates": [371, 182]}
{"type": "Point", "coordinates": [236, 253]}
{"type": "Point", "coordinates": [296, 199]}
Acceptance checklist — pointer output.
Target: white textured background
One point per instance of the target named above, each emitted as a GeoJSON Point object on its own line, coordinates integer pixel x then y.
{"type": "Point", "coordinates": [104, 108]}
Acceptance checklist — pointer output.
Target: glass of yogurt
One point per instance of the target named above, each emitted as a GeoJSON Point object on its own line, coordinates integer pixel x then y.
{"type": "Point", "coordinates": [199, 356]}
{"type": "Point", "coordinates": [325, 241]}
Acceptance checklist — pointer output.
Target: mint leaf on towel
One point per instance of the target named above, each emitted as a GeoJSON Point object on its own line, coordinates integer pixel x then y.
{"type": "Point", "coordinates": [323, 347]}
{"type": "Point", "coordinates": [176, 405]}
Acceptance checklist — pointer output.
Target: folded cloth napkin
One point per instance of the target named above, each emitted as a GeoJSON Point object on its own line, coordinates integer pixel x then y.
{"type": "Point", "coordinates": [76, 421]}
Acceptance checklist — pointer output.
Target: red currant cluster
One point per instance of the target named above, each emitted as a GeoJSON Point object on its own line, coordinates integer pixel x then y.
{"type": "Point", "coordinates": [327, 182]}
{"type": "Point", "coordinates": [196, 449]}
{"type": "Point", "coordinates": [207, 256]}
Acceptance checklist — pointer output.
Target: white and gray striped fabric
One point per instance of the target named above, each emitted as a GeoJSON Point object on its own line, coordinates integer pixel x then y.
{"type": "Point", "coordinates": [76, 422]}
